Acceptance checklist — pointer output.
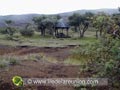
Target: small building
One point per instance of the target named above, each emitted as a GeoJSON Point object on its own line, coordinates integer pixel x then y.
{"type": "Point", "coordinates": [60, 27]}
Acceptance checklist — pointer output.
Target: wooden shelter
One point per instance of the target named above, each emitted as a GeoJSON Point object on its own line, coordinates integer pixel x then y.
{"type": "Point", "coordinates": [60, 27]}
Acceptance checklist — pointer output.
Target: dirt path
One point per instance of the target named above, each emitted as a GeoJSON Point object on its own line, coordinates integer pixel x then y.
{"type": "Point", "coordinates": [39, 68]}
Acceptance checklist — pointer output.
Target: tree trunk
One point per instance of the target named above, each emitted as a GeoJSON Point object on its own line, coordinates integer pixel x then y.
{"type": "Point", "coordinates": [75, 29]}
{"type": "Point", "coordinates": [42, 32]}
{"type": "Point", "coordinates": [79, 30]}
{"type": "Point", "coordinates": [83, 31]}
{"type": "Point", "coordinates": [51, 32]}
{"type": "Point", "coordinates": [67, 33]}
{"type": "Point", "coordinates": [97, 34]}
{"type": "Point", "coordinates": [100, 32]}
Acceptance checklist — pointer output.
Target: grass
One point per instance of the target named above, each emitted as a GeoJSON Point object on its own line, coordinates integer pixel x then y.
{"type": "Point", "coordinates": [76, 59]}
{"type": "Point", "coordinates": [3, 63]}
{"type": "Point", "coordinates": [72, 61]}
{"type": "Point", "coordinates": [48, 41]}
{"type": "Point", "coordinates": [80, 55]}
{"type": "Point", "coordinates": [6, 60]}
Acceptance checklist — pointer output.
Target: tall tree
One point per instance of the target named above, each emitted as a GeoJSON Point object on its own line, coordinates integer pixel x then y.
{"type": "Point", "coordinates": [39, 22]}
{"type": "Point", "coordinates": [46, 23]}
{"type": "Point", "coordinates": [79, 22]}
{"type": "Point", "coordinates": [9, 29]}
{"type": "Point", "coordinates": [101, 22]}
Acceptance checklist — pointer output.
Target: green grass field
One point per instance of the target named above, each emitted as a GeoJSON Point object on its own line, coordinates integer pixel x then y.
{"type": "Point", "coordinates": [49, 41]}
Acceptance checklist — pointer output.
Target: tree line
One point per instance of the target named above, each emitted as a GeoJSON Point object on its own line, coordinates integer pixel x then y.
{"type": "Point", "coordinates": [103, 23]}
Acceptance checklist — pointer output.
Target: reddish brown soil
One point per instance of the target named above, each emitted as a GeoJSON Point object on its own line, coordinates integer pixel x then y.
{"type": "Point", "coordinates": [38, 69]}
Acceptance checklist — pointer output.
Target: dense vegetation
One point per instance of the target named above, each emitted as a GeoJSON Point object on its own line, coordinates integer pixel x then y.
{"type": "Point", "coordinates": [102, 59]}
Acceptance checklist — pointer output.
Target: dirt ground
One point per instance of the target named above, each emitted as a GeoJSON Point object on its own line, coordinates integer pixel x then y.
{"type": "Point", "coordinates": [39, 68]}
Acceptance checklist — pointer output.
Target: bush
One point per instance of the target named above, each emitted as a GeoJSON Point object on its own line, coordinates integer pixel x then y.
{"type": "Point", "coordinates": [103, 60]}
{"type": "Point", "coordinates": [3, 31]}
{"type": "Point", "coordinates": [28, 32]}
{"type": "Point", "coordinates": [3, 63]}
{"type": "Point", "coordinates": [10, 31]}
{"type": "Point", "coordinates": [13, 61]}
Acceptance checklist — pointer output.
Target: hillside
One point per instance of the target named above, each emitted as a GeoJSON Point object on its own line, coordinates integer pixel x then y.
{"type": "Point", "coordinates": [95, 11]}
{"type": "Point", "coordinates": [20, 20]}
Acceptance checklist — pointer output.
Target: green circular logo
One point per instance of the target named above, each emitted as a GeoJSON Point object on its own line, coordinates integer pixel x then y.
{"type": "Point", "coordinates": [17, 80]}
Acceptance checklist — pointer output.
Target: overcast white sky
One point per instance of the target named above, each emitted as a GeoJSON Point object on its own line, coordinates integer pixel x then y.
{"type": "Point", "coordinates": [8, 7]}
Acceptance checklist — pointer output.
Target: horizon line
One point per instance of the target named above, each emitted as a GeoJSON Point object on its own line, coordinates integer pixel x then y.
{"type": "Point", "coordinates": [55, 13]}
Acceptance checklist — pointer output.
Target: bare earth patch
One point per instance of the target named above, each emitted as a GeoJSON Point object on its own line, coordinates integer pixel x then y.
{"type": "Point", "coordinates": [38, 69]}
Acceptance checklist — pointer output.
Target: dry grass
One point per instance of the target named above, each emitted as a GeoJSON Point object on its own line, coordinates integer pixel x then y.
{"type": "Point", "coordinates": [6, 60]}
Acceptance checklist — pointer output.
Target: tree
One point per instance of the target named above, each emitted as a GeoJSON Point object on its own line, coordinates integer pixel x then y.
{"type": "Point", "coordinates": [46, 23]}
{"type": "Point", "coordinates": [9, 29]}
{"type": "Point", "coordinates": [79, 22]}
{"type": "Point", "coordinates": [39, 22]}
{"type": "Point", "coordinates": [101, 22]}
{"type": "Point", "coordinates": [89, 15]}
{"type": "Point", "coordinates": [28, 31]}
{"type": "Point", "coordinates": [74, 21]}
{"type": "Point", "coordinates": [116, 19]}
{"type": "Point", "coordinates": [50, 24]}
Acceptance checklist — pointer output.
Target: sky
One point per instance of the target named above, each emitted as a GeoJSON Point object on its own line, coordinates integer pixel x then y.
{"type": "Point", "coordinates": [8, 7]}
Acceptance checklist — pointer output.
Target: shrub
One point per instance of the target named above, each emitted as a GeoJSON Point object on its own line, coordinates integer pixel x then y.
{"type": "Point", "coordinates": [3, 63]}
{"type": "Point", "coordinates": [13, 61]}
{"type": "Point", "coordinates": [103, 60]}
{"type": "Point", "coordinates": [10, 31]}
{"type": "Point", "coordinates": [3, 31]}
{"type": "Point", "coordinates": [28, 32]}
{"type": "Point", "coordinates": [8, 60]}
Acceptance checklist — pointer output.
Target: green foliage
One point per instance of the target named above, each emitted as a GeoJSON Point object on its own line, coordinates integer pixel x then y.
{"type": "Point", "coordinates": [46, 23]}
{"type": "Point", "coordinates": [102, 59]}
{"type": "Point", "coordinates": [3, 31]}
{"type": "Point", "coordinates": [74, 20]}
{"type": "Point", "coordinates": [13, 61]}
{"type": "Point", "coordinates": [8, 21]}
{"type": "Point", "coordinates": [100, 21]}
{"type": "Point", "coordinates": [79, 22]}
{"type": "Point", "coordinates": [3, 63]}
{"type": "Point", "coordinates": [28, 32]}
{"type": "Point", "coordinates": [8, 60]}
{"type": "Point", "coordinates": [10, 31]}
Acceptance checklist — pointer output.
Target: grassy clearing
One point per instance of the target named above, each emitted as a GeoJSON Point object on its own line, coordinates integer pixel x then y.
{"type": "Point", "coordinates": [72, 61]}
{"type": "Point", "coordinates": [48, 41]}
{"type": "Point", "coordinates": [80, 55]}
{"type": "Point", "coordinates": [76, 59]}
